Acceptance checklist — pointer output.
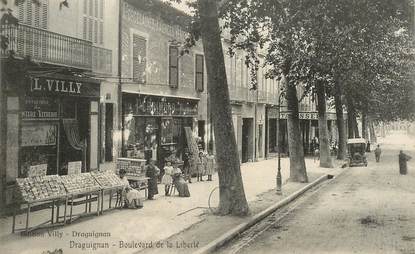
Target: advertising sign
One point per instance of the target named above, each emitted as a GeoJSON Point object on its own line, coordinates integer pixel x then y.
{"type": "Point", "coordinates": [39, 135]}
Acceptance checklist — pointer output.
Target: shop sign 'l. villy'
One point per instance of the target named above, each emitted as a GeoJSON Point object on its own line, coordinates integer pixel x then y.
{"type": "Point", "coordinates": [55, 85]}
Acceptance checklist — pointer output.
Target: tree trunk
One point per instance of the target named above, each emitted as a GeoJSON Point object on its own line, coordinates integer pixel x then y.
{"type": "Point", "coordinates": [350, 129]}
{"type": "Point", "coordinates": [364, 126]}
{"type": "Point", "coordinates": [231, 189]}
{"type": "Point", "coordinates": [355, 126]}
{"type": "Point", "coordinates": [372, 132]}
{"type": "Point", "coordinates": [298, 171]}
{"type": "Point", "coordinates": [325, 158]}
{"type": "Point", "coordinates": [341, 128]}
{"type": "Point", "coordinates": [351, 120]}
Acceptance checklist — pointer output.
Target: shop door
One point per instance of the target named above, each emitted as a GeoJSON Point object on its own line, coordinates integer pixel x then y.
{"type": "Point", "coordinates": [109, 128]}
{"type": "Point", "coordinates": [246, 135]}
{"type": "Point", "coordinates": [201, 133]}
{"type": "Point", "coordinates": [260, 143]}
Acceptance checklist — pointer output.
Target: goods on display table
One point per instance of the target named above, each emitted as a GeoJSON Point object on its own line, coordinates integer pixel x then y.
{"type": "Point", "coordinates": [132, 167]}
{"type": "Point", "coordinates": [40, 188]}
{"type": "Point", "coordinates": [107, 179]}
{"type": "Point", "coordinates": [80, 183]}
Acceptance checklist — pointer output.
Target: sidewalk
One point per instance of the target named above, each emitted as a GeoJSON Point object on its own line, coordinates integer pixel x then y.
{"type": "Point", "coordinates": [159, 219]}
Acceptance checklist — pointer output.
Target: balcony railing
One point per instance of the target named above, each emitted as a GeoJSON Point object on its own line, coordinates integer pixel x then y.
{"type": "Point", "coordinates": [243, 94]}
{"type": "Point", "coordinates": [54, 48]}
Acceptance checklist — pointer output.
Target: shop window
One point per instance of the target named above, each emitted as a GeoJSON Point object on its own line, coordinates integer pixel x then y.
{"type": "Point", "coordinates": [199, 72]}
{"type": "Point", "coordinates": [173, 66]}
{"type": "Point", "coordinates": [139, 58]}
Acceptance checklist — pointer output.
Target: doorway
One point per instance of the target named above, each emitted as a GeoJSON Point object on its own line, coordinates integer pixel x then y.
{"type": "Point", "coordinates": [247, 139]}
{"type": "Point", "coordinates": [109, 128]}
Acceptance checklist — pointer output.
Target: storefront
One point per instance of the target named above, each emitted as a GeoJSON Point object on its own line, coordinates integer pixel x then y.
{"type": "Point", "coordinates": [52, 125]}
{"type": "Point", "coordinates": [154, 125]}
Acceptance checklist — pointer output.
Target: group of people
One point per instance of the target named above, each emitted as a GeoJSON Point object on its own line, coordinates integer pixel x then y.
{"type": "Point", "coordinates": [132, 198]}
{"type": "Point", "coordinates": [173, 178]}
{"type": "Point", "coordinates": [205, 165]}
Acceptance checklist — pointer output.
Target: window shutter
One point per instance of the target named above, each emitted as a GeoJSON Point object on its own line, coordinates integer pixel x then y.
{"type": "Point", "coordinates": [85, 25]}
{"type": "Point", "coordinates": [101, 32]}
{"type": "Point", "coordinates": [139, 58]}
{"type": "Point", "coordinates": [90, 29]}
{"type": "Point", "coordinates": [173, 66]}
{"type": "Point", "coordinates": [95, 31]}
{"type": "Point", "coordinates": [199, 71]}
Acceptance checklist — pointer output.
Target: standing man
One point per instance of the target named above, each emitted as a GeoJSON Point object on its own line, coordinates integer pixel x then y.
{"type": "Point", "coordinates": [378, 152]}
{"type": "Point", "coordinates": [403, 158]}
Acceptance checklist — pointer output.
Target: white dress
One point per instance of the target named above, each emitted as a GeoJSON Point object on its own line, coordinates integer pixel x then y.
{"type": "Point", "coordinates": [132, 193]}
{"type": "Point", "coordinates": [167, 177]}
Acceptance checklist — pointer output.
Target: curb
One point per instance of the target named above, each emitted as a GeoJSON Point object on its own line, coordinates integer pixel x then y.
{"type": "Point", "coordinates": [226, 237]}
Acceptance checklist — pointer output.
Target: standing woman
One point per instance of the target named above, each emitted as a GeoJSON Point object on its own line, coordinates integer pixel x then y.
{"type": "Point", "coordinates": [152, 172]}
{"type": "Point", "coordinates": [201, 166]}
{"type": "Point", "coordinates": [210, 165]}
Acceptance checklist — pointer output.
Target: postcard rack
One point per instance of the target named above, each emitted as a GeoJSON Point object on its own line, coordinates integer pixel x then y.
{"type": "Point", "coordinates": [53, 191]}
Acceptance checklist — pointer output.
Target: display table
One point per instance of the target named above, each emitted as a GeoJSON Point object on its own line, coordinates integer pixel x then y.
{"type": "Point", "coordinates": [110, 183]}
{"type": "Point", "coordinates": [82, 189]}
{"type": "Point", "coordinates": [45, 191]}
{"type": "Point", "coordinates": [135, 172]}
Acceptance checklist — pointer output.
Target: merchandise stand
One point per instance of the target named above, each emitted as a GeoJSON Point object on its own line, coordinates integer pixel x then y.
{"type": "Point", "coordinates": [117, 190]}
{"type": "Point", "coordinates": [84, 199]}
{"type": "Point", "coordinates": [135, 172]}
{"type": "Point", "coordinates": [52, 202]}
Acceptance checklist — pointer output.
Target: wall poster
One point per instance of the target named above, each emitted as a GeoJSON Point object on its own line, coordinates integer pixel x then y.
{"type": "Point", "coordinates": [39, 135]}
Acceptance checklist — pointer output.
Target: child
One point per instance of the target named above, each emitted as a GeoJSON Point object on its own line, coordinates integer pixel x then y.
{"type": "Point", "coordinates": [167, 179]}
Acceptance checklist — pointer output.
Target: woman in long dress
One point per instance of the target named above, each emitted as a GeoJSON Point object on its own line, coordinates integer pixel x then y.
{"type": "Point", "coordinates": [210, 166]}
{"type": "Point", "coordinates": [152, 171]}
{"type": "Point", "coordinates": [132, 197]}
{"type": "Point", "coordinates": [180, 183]}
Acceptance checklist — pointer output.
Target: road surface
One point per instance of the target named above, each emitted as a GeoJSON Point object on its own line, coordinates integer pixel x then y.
{"type": "Point", "coordinates": [365, 210]}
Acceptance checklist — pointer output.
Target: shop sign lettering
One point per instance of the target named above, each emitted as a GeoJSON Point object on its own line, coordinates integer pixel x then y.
{"type": "Point", "coordinates": [39, 108]}
{"type": "Point", "coordinates": [156, 106]}
{"type": "Point", "coordinates": [55, 85]}
{"type": "Point", "coordinates": [308, 115]}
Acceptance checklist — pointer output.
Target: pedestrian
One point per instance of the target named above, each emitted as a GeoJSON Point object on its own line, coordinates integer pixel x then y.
{"type": "Point", "coordinates": [403, 158]}
{"type": "Point", "coordinates": [152, 171]}
{"type": "Point", "coordinates": [378, 152]}
{"type": "Point", "coordinates": [167, 179]}
{"type": "Point", "coordinates": [186, 165]}
{"type": "Point", "coordinates": [210, 165]}
{"type": "Point", "coordinates": [201, 166]}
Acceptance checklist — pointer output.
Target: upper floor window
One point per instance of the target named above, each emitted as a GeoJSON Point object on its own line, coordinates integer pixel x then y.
{"type": "Point", "coordinates": [93, 21]}
{"type": "Point", "coordinates": [173, 66]}
{"type": "Point", "coordinates": [199, 73]}
{"type": "Point", "coordinates": [139, 51]}
{"type": "Point", "coordinates": [33, 14]}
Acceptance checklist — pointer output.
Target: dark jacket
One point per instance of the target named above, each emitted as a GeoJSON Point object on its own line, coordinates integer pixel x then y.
{"type": "Point", "coordinates": [403, 158]}
{"type": "Point", "coordinates": [152, 172]}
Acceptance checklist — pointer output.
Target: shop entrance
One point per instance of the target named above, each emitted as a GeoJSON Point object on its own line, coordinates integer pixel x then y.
{"type": "Point", "coordinates": [75, 138]}
{"type": "Point", "coordinates": [260, 143]}
{"type": "Point", "coordinates": [109, 127]}
{"type": "Point", "coordinates": [247, 138]}
{"type": "Point", "coordinates": [201, 133]}
{"type": "Point", "coordinates": [272, 135]}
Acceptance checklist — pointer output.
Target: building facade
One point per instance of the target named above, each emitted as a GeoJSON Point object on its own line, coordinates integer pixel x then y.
{"type": "Point", "coordinates": [51, 89]}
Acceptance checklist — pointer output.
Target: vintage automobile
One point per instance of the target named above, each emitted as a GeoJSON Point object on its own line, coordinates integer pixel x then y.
{"type": "Point", "coordinates": [356, 148]}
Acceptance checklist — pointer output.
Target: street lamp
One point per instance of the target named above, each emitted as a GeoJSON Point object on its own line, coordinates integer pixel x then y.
{"type": "Point", "coordinates": [279, 178]}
